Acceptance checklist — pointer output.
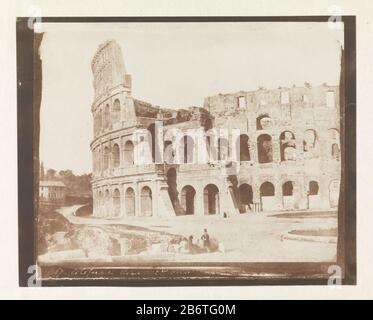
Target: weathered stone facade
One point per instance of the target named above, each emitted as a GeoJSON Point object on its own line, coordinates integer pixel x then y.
{"type": "Point", "coordinates": [266, 150]}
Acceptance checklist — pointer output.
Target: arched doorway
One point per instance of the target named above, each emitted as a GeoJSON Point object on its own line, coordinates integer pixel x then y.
{"type": "Point", "coordinates": [128, 152]}
{"type": "Point", "coordinates": [116, 155]}
{"type": "Point", "coordinates": [107, 116]}
{"type": "Point", "coordinates": [107, 205]}
{"type": "Point", "coordinates": [211, 199]}
{"type": "Point", "coordinates": [187, 199]}
{"type": "Point", "coordinates": [223, 149]}
{"type": "Point", "coordinates": [146, 202]}
{"type": "Point", "coordinates": [265, 153]}
{"type": "Point", "coordinates": [116, 111]}
{"type": "Point", "coordinates": [116, 202]}
{"type": "Point", "coordinates": [130, 202]}
{"type": "Point", "coordinates": [267, 196]}
{"type": "Point", "coordinates": [186, 149]}
{"type": "Point", "coordinates": [287, 146]}
{"type": "Point", "coordinates": [288, 195]}
{"type": "Point", "coordinates": [243, 148]}
{"type": "Point", "coordinates": [245, 192]}
{"type": "Point", "coordinates": [106, 158]}
{"type": "Point", "coordinates": [263, 122]}
{"type": "Point", "coordinates": [313, 195]}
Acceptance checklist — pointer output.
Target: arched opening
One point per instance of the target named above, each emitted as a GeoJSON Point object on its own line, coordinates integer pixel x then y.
{"type": "Point", "coordinates": [288, 195]}
{"type": "Point", "coordinates": [211, 199]}
{"type": "Point", "coordinates": [212, 152]}
{"type": "Point", "coordinates": [169, 152]}
{"type": "Point", "coordinates": [334, 139]}
{"type": "Point", "coordinates": [313, 188]}
{"type": "Point", "coordinates": [187, 199]}
{"type": "Point", "coordinates": [128, 152]}
{"type": "Point", "coordinates": [99, 121]}
{"type": "Point", "coordinates": [116, 155]}
{"type": "Point", "coordinates": [245, 192]}
{"type": "Point", "coordinates": [287, 146]}
{"type": "Point", "coordinates": [243, 148]}
{"type": "Point", "coordinates": [107, 116]}
{"type": "Point", "coordinates": [106, 158]}
{"type": "Point", "coordinates": [287, 188]}
{"type": "Point", "coordinates": [309, 141]}
{"type": "Point", "coordinates": [186, 149]}
{"type": "Point", "coordinates": [223, 149]}
{"type": "Point", "coordinates": [130, 202]}
{"type": "Point", "coordinates": [313, 195]}
{"type": "Point", "coordinates": [107, 203]}
{"type": "Point", "coordinates": [146, 202]}
{"type": "Point", "coordinates": [263, 122]}
{"type": "Point", "coordinates": [267, 196]}
{"type": "Point", "coordinates": [152, 142]}
{"type": "Point", "coordinates": [334, 193]}
{"type": "Point", "coordinates": [265, 153]}
{"type": "Point", "coordinates": [116, 202]}
{"type": "Point", "coordinates": [116, 111]}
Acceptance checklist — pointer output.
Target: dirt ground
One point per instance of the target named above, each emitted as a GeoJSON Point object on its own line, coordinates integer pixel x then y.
{"type": "Point", "coordinates": [259, 237]}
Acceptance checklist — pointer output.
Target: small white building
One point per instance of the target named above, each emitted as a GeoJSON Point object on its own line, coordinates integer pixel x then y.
{"type": "Point", "coordinates": [52, 192]}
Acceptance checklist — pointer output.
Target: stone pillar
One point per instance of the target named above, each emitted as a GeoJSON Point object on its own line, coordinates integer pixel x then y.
{"type": "Point", "coordinates": [199, 201]}
{"type": "Point", "coordinates": [276, 153]}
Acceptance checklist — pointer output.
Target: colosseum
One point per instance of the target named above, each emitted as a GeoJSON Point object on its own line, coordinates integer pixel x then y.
{"type": "Point", "coordinates": [248, 151]}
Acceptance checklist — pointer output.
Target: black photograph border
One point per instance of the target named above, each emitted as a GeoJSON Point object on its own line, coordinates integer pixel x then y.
{"type": "Point", "coordinates": [29, 84]}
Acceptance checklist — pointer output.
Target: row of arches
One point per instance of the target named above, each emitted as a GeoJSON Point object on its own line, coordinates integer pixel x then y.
{"type": "Point", "coordinates": [186, 152]}
{"type": "Point", "coordinates": [110, 205]}
{"type": "Point", "coordinates": [106, 116]}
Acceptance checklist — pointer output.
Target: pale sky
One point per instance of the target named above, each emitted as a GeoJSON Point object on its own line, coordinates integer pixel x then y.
{"type": "Point", "coordinates": [172, 65]}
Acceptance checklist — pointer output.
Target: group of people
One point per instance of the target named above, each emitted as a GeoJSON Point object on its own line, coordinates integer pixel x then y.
{"type": "Point", "coordinates": [202, 245]}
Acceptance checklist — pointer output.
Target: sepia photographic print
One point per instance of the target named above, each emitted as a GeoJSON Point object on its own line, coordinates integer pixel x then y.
{"type": "Point", "coordinates": [186, 151]}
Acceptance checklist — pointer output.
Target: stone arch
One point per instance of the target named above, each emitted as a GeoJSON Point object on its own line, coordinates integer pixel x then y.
{"type": "Point", "coordinates": [106, 158]}
{"type": "Point", "coordinates": [309, 140]}
{"type": "Point", "coordinates": [155, 152]}
{"type": "Point", "coordinates": [107, 203]}
{"type": "Point", "coordinates": [188, 199]}
{"type": "Point", "coordinates": [168, 152]}
{"type": "Point", "coordinates": [287, 146]}
{"type": "Point", "coordinates": [223, 149]}
{"type": "Point", "coordinates": [107, 116]}
{"type": "Point", "coordinates": [245, 196]}
{"type": "Point", "coordinates": [265, 150]}
{"type": "Point", "coordinates": [128, 152]}
{"type": "Point", "coordinates": [287, 189]}
{"type": "Point", "coordinates": [243, 148]}
{"type": "Point", "coordinates": [116, 111]}
{"type": "Point", "coordinates": [334, 140]}
{"type": "Point", "coordinates": [186, 149]}
{"type": "Point", "coordinates": [146, 202]}
{"type": "Point", "coordinates": [116, 155]}
{"type": "Point", "coordinates": [211, 199]}
{"type": "Point", "coordinates": [130, 203]}
{"type": "Point", "coordinates": [99, 120]}
{"type": "Point", "coordinates": [263, 122]}
{"type": "Point", "coordinates": [313, 188]}
{"type": "Point", "coordinates": [267, 196]}
{"type": "Point", "coordinates": [116, 202]}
